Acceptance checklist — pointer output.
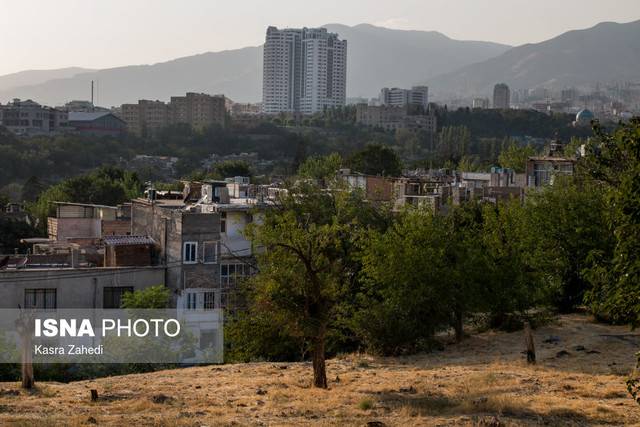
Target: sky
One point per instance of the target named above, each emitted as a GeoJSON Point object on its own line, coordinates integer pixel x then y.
{"type": "Point", "coordinates": [46, 34]}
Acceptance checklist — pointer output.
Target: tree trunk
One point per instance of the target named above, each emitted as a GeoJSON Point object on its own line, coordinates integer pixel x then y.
{"type": "Point", "coordinates": [319, 368]}
{"type": "Point", "coordinates": [458, 325]}
{"type": "Point", "coordinates": [24, 325]}
{"type": "Point", "coordinates": [531, 349]}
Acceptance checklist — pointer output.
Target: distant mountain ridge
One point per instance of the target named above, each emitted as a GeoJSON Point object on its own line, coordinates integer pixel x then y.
{"type": "Point", "coordinates": [377, 57]}
{"type": "Point", "coordinates": [604, 53]}
{"type": "Point", "coordinates": [31, 77]}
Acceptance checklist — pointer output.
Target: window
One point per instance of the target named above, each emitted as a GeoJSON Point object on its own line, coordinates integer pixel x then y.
{"type": "Point", "coordinates": [190, 252]}
{"type": "Point", "coordinates": [223, 222]}
{"type": "Point", "coordinates": [192, 301]}
{"type": "Point", "coordinates": [210, 252]}
{"type": "Point", "coordinates": [112, 295]}
{"type": "Point", "coordinates": [231, 273]}
{"type": "Point", "coordinates": [209, 300]}
{"type": "Point", "coordinates": [40, 299]}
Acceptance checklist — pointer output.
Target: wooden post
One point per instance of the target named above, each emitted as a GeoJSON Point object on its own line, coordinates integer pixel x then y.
{"type": "Point", "coordinates": [528, 338]}
{"type": "Point", "coordinates": [24, 326]}
{"type": "Point", "coordinates": [94, 395]}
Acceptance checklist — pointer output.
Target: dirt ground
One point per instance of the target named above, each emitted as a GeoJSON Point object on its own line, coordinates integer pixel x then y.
{"type": "Point", "coordinates": [579, 380]}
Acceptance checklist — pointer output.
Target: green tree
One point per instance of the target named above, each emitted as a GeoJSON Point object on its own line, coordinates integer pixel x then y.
{"type": "Point", "coordinates": [613, 159]}
{"type": "Point", "coordinates": [515, 157]}
{"type": "Point", "coordinates": [513, 285]}
{"type": "Point", "coordinates": [568, 222]}
{"type": "Point", "coordinates": [153, 297]}
{"type": "Point", "coordinates": [231, 168]}
{"type": "Point", "coordinates": [424, 273]}
{"type": "Point", "coordinates": [376, 159]}
{"type": "Point", "coordinates": [105, 186]}
{"type": "Point", "coordinates": [307, 269]}
{"type": "Point", "coordinates": [320, 167]}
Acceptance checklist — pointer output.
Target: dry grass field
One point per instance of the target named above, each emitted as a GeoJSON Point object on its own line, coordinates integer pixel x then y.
{"type": "Point", "coordinates": [579, 380]}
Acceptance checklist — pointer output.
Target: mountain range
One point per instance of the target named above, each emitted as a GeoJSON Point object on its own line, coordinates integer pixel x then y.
{"type": "Point", "coordinates": [605, 53]}
{"type": "Point", "coordinates": [377, 57]}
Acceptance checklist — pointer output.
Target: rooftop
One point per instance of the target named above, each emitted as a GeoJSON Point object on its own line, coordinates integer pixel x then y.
{"type": "Point", "coordinates": [127, 240]}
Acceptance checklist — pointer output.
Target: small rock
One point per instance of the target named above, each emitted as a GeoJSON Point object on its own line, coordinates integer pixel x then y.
{"type": "Point", "coordinates": [261, 392]}
{"type": "Point", "coordinates": [160, 398]}
{"type": "Point", "coordinates": [259, 402]}
{"type": "Point", "coordinates": [337, 380]}
{"type": "Point", "coordinates": [409, 390]}
{"type": "Point", "coordinates": [551, 340]}
{"type": "Point", "coordinates": [593, 352]}
{"type": "Point", "coordinates": [563, 353]}
{"type": "Point", "coordinates": [375, 424]}
{"type": "Point", "coordinates": [198, 386]}
{"type": "Point", "coordinates": [92, 420]}
{"type": "Point", "coordinates": [579, 348]}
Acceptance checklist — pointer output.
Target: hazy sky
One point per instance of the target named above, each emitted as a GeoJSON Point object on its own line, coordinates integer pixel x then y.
{"type": "Point", "coordinates": [42, 34]}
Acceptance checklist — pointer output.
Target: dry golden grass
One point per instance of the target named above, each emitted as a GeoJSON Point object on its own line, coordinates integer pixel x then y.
{"type": "Point", "coordinates": [476, 382]}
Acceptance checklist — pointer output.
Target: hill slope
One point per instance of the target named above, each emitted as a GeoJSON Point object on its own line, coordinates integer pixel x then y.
{"type": "Point", "coordinates": [377, 57]}
{"type": "Point", "coordinates": [604, 53]}
{"type": "Point", "coordinates": [33, 77]}
{"type": "Point", "coordinates": [466, 384]}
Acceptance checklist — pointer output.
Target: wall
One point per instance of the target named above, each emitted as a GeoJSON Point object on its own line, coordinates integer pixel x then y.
{"type": "Point", "coordinates": [63, 228]}
{"type": "Point", "coordinates": [116, 227]}
{"type": "Point", "coordinates": [75, 288]}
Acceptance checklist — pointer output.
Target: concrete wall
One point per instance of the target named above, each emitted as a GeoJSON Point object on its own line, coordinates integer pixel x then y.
{"type": "Point", "coordinates": [75, 288]}
{"type": "Point", "coordinates": [63, 228]}
{"type": "Point", "coordinates": [118, 227]}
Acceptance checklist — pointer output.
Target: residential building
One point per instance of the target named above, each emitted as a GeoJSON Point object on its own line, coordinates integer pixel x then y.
{"type": "Point", "coordinates": [200, 239]}
{"type": "Point", "coordinates": [82, 107]}
{"type": "Point", "coordinates": [198, 110]}
{"type": "Point", "coordinates": [374, 188]}
{"type": "Point", "coordinates": [304, 71]}
{"type": "Point", "coordinates": [51, 288]}
{"type": "Point", "coordinates": [101, 123]}
{"type": "Point", "coordinates": [28, 118]}
{"type": "Point", "coordinates": [146, 117]}
{"type": "Point", "coordinates": [126, 251]}
{"type": "Point", "coordinates": [481, 103]}
{"type": "Point", "coordinates": [541, 170]}
{"type": "Point", "coordinates": [88, 221]}
{"type": "Point", "coordinates": [417, 96]}
{"type": "Point", "coordinates": [501, 97]}
{"type": "Point", "coordinates": [394, 118]}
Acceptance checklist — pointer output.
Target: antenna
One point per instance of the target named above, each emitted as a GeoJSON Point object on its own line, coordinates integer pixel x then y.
{"type": "Point", "coordinates": [91, 92]}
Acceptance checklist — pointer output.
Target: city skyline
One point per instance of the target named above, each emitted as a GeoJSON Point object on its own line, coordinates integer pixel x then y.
{"type": "Point", "coordinates": [117, 33]}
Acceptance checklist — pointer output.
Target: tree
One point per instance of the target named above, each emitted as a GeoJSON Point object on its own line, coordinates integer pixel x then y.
{"type": "Point", "coordinates": [105, 186]}
{"type": "Point", "coordinates": [567, 222]}
{"type": "Point", "coordinates": [376, 159]}
{"type": "Point", "coordinates": [515, 157]}
{"type": "Point", "coordinates": [513, 284]}
{"type": "Point", "coordinates": [613, 159]}
{"type": "Point", "coordinates": [306, 269]}
{"type": "Point", "coordinates": [154, 297]}
{"type": "Point", "coordinates": [320, 167]}
{"type": "Point", "coordinates": [423, 274]}
{"type": "Point", "coordinates": [32, 189]}
{"type": "Point", "coordinates": [231, 168]}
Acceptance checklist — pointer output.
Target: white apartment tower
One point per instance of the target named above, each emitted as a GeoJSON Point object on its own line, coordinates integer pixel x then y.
{"type": "Point", "coordinates": [305, 71]}
{"type": "Point", "coordinates": [396, 97]}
